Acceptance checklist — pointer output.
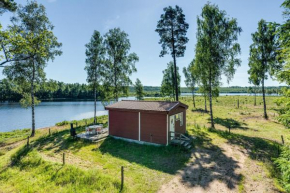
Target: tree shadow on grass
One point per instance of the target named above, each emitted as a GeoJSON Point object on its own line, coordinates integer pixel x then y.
{"type": "Point", "coordinates": [199, 110]}
{"type": "Point", "coordinates": [257, 148]}
{"type": "Point", "coordinates": [199, 167]}
{"type": "Point", "coordinates": [60, 141]}
{"type": "Point", "coordinates": [233, 124]}
{"type": "Point", "coordinates": [209, 164]}
{"type": "Point", "coordinates": [163, 158]}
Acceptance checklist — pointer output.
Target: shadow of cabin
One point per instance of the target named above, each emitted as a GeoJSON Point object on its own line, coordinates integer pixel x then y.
{"type": "Point", "coordinates": [167, 159]}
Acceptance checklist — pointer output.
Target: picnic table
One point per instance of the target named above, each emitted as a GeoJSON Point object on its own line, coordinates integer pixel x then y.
{"type": "Point", "coordinates": [94, 129]}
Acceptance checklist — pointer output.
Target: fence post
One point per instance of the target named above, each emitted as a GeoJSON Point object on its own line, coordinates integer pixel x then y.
{"type": "Point", "coordinates": [122, 177]}
{"type": "Point", "coordinates": [63, 159]}
{"type": "Point", "coordinates": [49, 131]}
{"type": "Point", "coordinates": [282, 139]}
{"type": "Point", "coordinates": [229, 129]}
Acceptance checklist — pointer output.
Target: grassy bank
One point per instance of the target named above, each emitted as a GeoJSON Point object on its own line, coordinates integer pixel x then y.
{"type": "Point", "coordinates": [89, 167]}
{"type": "Point", "coordinates": [95, 167]}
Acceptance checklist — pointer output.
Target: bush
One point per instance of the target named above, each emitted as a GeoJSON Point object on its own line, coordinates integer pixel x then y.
{"type": "Point", "coordinates": [62, 123]}
{"type": "Point", "coordinates": [283, 164]}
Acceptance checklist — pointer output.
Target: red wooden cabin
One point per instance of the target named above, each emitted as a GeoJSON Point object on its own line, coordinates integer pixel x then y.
{"type": "Point", "coordinates": [147, 121]}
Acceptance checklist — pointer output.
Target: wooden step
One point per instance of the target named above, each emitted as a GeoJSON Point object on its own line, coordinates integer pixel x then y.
{"type": "Point", "coordinates": [175, 141]}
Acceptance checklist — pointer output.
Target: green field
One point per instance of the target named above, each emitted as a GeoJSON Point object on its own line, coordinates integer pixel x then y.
{"type": "Point", "coordinates": [95, 167]}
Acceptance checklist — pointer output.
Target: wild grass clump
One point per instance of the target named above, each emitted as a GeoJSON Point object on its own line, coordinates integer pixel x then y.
{"type": "Point", "coordinates": [62, 123]}
{"type": "Point", "coordinates": [283, 164]}
{"type": "Point", "coordinates": [12, 136]}
{"type": "Point", "coordinates": [100, 120]}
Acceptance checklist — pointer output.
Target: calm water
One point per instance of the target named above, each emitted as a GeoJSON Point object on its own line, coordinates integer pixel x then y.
{"type": "Point", "coordinates": [13, 116]}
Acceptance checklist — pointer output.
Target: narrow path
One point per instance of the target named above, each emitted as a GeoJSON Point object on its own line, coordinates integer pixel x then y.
{"type": "Point", "coordinates": [222, 168]}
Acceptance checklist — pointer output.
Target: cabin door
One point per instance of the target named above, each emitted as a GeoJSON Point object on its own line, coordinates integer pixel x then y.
{"type": "Point", "coordinates": [172, 126]}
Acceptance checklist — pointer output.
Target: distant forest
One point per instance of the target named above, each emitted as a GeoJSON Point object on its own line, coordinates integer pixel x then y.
{"type": "Point", "coordinates": [55, 90]}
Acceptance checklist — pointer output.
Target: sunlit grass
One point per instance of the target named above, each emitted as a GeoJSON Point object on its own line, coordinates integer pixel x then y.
{"type": "Point", "coordinates": [146, 167]}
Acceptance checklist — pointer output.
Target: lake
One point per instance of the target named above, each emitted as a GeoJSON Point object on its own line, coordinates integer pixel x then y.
{"type": "Point", "coordinates": [13, 116]}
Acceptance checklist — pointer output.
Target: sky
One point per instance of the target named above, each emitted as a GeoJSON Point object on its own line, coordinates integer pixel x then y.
{"type": "Point", "coordinates": [75, 21]}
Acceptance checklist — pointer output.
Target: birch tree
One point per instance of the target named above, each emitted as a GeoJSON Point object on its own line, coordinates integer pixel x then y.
{"type": "Point", "coordinates": [120, 64]}
{"type": "Point", "coordinates": [139, 90]}
{"type": "Point", "coordinates": [35, 45]}
{"type": "Point", "coordinates": [262, 60]}
{"type": "Point", "coordinates": [95, 53]}
{"type": "Point", "coordinates": [216, 49]}
{"type": "Point", "coordinates": [168, 82]}
{"type": "Point", "coordinates": [190, 78]}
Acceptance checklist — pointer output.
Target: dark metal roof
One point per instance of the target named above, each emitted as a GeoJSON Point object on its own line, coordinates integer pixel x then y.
{"type": "Point", "coordinates": [163, 106]}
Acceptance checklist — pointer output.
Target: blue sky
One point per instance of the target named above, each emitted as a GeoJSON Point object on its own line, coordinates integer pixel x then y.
{"type": "Point", "coordinates": [75, 21]}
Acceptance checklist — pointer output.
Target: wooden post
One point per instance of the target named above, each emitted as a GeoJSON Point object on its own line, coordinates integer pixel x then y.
{"type": "Point", "coordinates": [282, 139]}
{"type": "Point", "coordinates": [238, 104]}
{"type": "Point", "coordinates": [63, 159]}
{"type": "Point", "coordinates": [229, 129]}
{"type": "Point", "coordinates": [28, 141]}
{"type": "Point", "coordinates": [49, 131]}
{"type": "Point", "coordinates": [122, 177]}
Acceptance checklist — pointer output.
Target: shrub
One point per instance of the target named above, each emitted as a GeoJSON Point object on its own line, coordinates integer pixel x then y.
{"type": "Point", "coordinates": [62, 123]}
{"type": "Point", "coordinates": [283, 164]}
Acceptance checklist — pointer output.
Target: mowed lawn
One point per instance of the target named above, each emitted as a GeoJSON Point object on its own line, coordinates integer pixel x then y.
{"type": "Point", "coordinates": [95, 167]}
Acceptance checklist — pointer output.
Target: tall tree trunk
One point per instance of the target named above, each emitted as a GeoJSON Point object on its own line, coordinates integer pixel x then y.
{"type": "Point", "coordinates": [205, 108]}
{"type": "Point", "coordinates": [193, 100]}
{"type": "Point", "coordinates": [255, 100]}
{"type": "Point", "coordinates": [95, 105]}
{"type": "Point", "coordinates": [32, 102]}
{"type": "Point", "coordinates": [115, 82]}
{"type": "Point", "coordinates": [95, 98]}
{"type": "Point", "coordinates": [175, 77]}
{"type": "Point", "coordinates": [264, 100]}
{"type": "Point", "coordinates": [174, 61]}
{"type": "Point", "coordinates": [210, 100]}
{"type": "Point", "coordinates": [210, 108]}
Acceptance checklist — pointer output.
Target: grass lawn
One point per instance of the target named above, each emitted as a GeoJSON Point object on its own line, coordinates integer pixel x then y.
{"type": "Point", "coordinates": [95, 167]}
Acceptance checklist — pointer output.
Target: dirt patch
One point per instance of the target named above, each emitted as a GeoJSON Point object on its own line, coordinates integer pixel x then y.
{"type": "Point", "coordinates": [223, 168]}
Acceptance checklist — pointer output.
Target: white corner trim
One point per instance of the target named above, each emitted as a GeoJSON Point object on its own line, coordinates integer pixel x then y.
{"type": "Point", "coordinates": [139, 125]}
{"type": "Point", "coordinates": [167, 129]}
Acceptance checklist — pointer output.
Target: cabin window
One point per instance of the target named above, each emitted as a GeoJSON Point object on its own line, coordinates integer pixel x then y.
{"type": "Point", "coordinates": [179, 117]}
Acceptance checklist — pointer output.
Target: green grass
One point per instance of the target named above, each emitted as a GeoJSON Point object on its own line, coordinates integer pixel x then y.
{"type": "Point", "coordinates": [95, 167]}
{"type": "Point", "coordinates": [146, 167]}
{"type": "Point", "coordinates": [247, 120]}
{"type": "Point", "coordinates": [13, 136]}
{"type": "Point", "coordinates": [37, 174]}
